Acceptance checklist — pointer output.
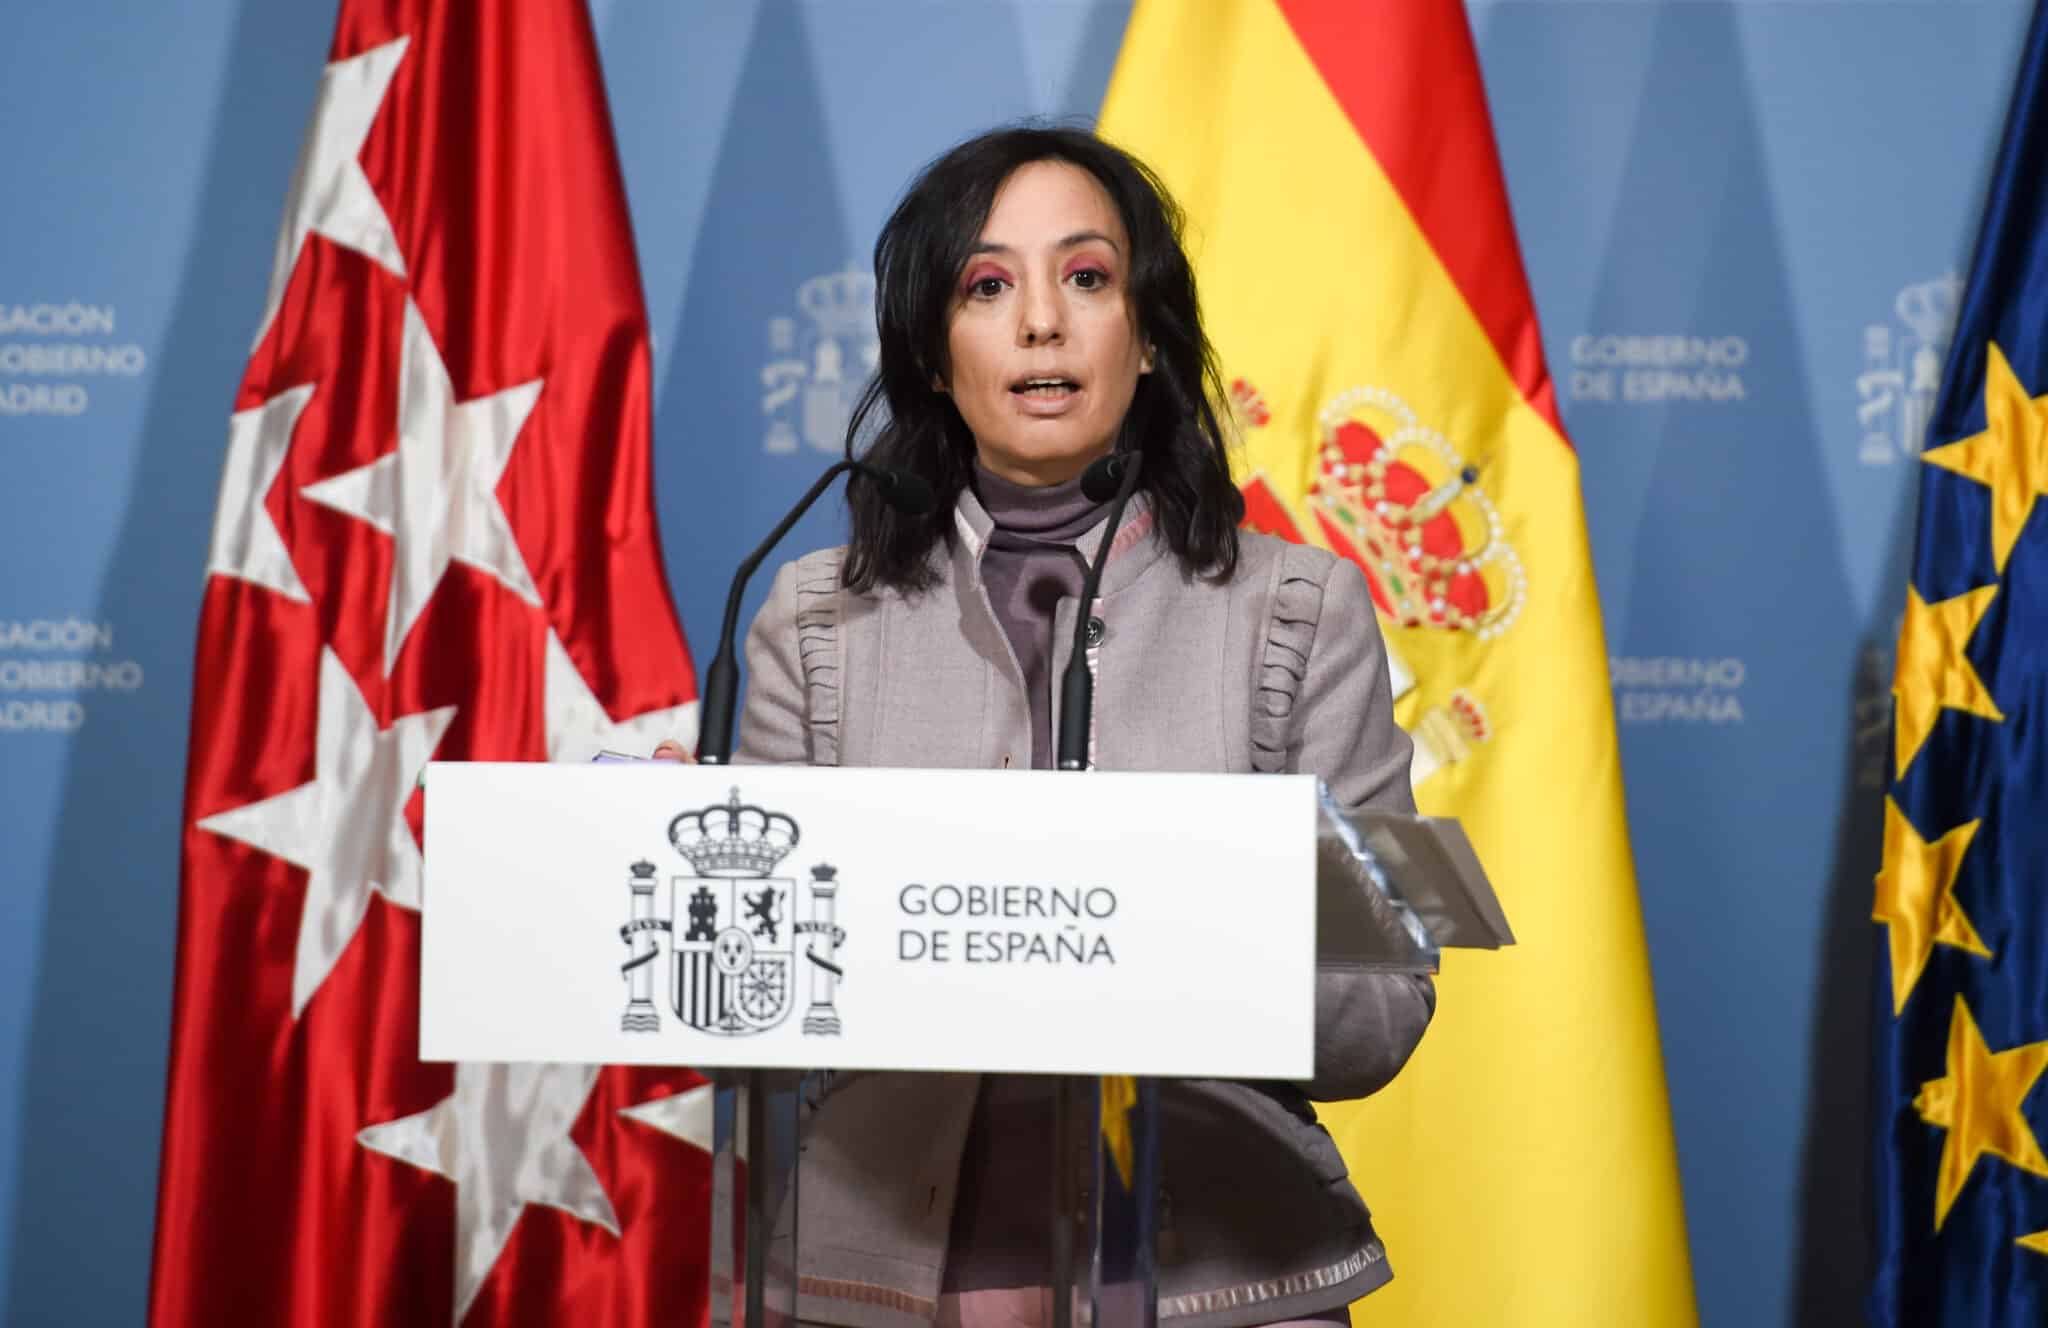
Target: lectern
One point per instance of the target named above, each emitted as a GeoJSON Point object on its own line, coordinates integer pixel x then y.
{"type": "Point", "coordinates": [779, 927]}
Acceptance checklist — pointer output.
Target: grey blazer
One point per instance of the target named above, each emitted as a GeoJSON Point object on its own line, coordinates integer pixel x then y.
{"type": "Point", "coordinates": [1280, 669]}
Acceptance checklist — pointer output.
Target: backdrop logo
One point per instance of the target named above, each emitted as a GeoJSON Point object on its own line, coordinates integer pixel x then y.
{"type": "Point", "coordinates": [1669, 690]}
{"type": "Point", "coordinates": [734, 969]}
{"type": "Point", "coordinates": [816, 369]}
{"type": "Point", "coordinates": [1637, 370]}
{"type": "Point", "coordinates": [51, 667]}
{"type": "Point", "coordinates": [1902, 370]}
{"type": "Point", "coordinates": [51, 354]}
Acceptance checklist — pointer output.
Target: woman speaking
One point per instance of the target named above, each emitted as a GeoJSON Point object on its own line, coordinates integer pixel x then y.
{"type": "Point", "coordinates": [1037, 313]}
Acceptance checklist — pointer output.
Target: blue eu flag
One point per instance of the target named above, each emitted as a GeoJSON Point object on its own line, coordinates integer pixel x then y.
{"type": "Point", "coordinates": [1962, 897]}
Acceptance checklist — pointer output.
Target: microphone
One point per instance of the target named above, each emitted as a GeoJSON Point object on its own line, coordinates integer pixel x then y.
{"type": "Point", "coordinates": [1112, 477]}
{"type": "Point", "coordinates": [906, 493]}
{"type": "Point", "coordinates": [1101, 480]}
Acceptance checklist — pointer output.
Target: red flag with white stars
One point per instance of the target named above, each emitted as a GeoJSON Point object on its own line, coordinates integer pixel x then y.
{"type": "Point", "coordinates": [435, 540]}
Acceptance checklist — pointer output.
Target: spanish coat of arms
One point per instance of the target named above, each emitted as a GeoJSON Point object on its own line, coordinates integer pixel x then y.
{"type": "Point", "coordinates": [734, 938]}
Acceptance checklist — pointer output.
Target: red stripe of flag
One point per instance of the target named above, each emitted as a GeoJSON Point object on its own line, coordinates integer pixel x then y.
{"type": "Point", "coordinates": [1442, 161]}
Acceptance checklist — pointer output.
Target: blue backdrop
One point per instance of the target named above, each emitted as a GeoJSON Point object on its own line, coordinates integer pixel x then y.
{"type": "Point", "coordinates": [1743, 222]}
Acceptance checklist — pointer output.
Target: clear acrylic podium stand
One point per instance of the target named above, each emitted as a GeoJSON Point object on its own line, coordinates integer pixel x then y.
{"type": "Point", "coordinates": [754, 1177]}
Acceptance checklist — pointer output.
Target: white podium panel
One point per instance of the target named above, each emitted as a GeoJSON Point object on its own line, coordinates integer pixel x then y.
{"type": "Point", "coordinates": [653, 913]}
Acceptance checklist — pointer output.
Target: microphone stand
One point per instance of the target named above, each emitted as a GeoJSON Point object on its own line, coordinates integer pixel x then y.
{"type": "Point", "coordinates": [714, 747]}
{"type": "Point", "coordinates": [747, 1116]}
{"type": "Point", "coordinates": [1077, 684]}
{"type": "Point", "coordinates": [1077, 713]}
{"type": "Point", "coordinates": [722, 680]}
{"type": "Point", "coordinates": [903, 491]}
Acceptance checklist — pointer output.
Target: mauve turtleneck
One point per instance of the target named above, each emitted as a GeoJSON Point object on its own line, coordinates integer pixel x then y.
{"type": "Point", "coordinates": [1029, 566]}
{"type": "Point", "coordinates": [999, 1236]}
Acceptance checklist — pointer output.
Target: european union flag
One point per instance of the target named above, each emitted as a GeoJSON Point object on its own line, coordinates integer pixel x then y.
{"type": "Point", "coordinates": [1962, 897]}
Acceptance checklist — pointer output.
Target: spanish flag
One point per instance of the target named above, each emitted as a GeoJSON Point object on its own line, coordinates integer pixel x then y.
{"type": "Point", "coordinates": [1358, 264]}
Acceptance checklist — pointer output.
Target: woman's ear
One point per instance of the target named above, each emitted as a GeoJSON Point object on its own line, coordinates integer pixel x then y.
{"type": "Point", "coordinates": [1145, 360]}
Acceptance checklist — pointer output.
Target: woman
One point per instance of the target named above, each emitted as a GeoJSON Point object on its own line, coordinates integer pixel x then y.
{"type": "Point", "coordinates": [1036, 311]}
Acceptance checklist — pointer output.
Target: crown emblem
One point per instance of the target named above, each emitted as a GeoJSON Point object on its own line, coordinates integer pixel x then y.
{"type": "Point", "coordinates": [1396, 498]}
{"type": "Point", "coordinates": [734, 839]}
{"type": "Point", "coordinates": [1929, 307]}
{"type": "Point", "coordinates": [842, 304]}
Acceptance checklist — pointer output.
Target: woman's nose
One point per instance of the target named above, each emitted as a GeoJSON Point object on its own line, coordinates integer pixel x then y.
{"type": "Point", "coordinates": [1039, 317]}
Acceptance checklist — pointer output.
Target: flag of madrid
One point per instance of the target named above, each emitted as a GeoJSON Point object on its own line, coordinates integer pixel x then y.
{"type": "Point", "coordinates": [435, 540]}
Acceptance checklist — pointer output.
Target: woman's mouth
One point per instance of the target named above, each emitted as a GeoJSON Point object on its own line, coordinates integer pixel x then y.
{"type": "Point", "coordinates": [1048, 388]}
{"type": "Point", "coordinates": [1045, 396]}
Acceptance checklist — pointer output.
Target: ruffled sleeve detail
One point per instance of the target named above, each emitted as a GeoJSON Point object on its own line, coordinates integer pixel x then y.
{"type": "Point", "coordinates": [1290, 635]}
{"type": "Point", "coordinates": [818, 650]}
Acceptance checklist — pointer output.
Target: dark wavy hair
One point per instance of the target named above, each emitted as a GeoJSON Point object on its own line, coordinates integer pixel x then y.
{"type": "Point", "coordinates": [919, 257]}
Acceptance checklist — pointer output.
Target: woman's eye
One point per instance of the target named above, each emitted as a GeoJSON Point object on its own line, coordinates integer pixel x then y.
{"type": "Point", "coordinates": [1089, 278]}
{"type": "Point", "coordinates": [987, 288]}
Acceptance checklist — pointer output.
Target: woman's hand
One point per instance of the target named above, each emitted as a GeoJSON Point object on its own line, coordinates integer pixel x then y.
{"type": "Point", "coordinates": [671, 750]}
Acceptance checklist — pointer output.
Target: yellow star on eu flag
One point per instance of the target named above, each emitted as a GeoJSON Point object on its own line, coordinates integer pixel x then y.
{"type": "Point", "coordinates": [1978, 1103]}
{"type": "Point", "coordinates": [1916, 898]}
{"type": "Point", "coordinates": [2010, 457]}
{"type": "Point", "coordinates": [2037, 1241]}
{"type": "Point", "coordinates": [1933, 673]}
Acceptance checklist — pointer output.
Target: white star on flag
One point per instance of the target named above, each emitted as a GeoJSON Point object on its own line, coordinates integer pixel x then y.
{"type": "Point", "coordinates": [685, 1116]}
{"type": "Point", "coordinates": [347, 828]}
{"type": "Point", "coordinates": [436, 496]}
{"type": "Point", "coordinates": [246, 543]}
{"type": "Point", "coordinates": [329, 192]}
{"type": "Point", "coordinates": [503, 1137]}
{"type": "Point", "coordinates": [579, 728]}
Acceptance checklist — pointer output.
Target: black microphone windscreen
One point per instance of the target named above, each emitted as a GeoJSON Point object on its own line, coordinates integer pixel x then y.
{"type": "Point", "coordinates": [903, 491]}
{"type": "Point", "coordinates": [1099, 482]}
{"type": "Point", "coordinates": [909, 494]}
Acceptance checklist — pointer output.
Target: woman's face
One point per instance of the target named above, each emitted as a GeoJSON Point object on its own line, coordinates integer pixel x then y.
{"type": "Point", "coordinates": [1042, 348]}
